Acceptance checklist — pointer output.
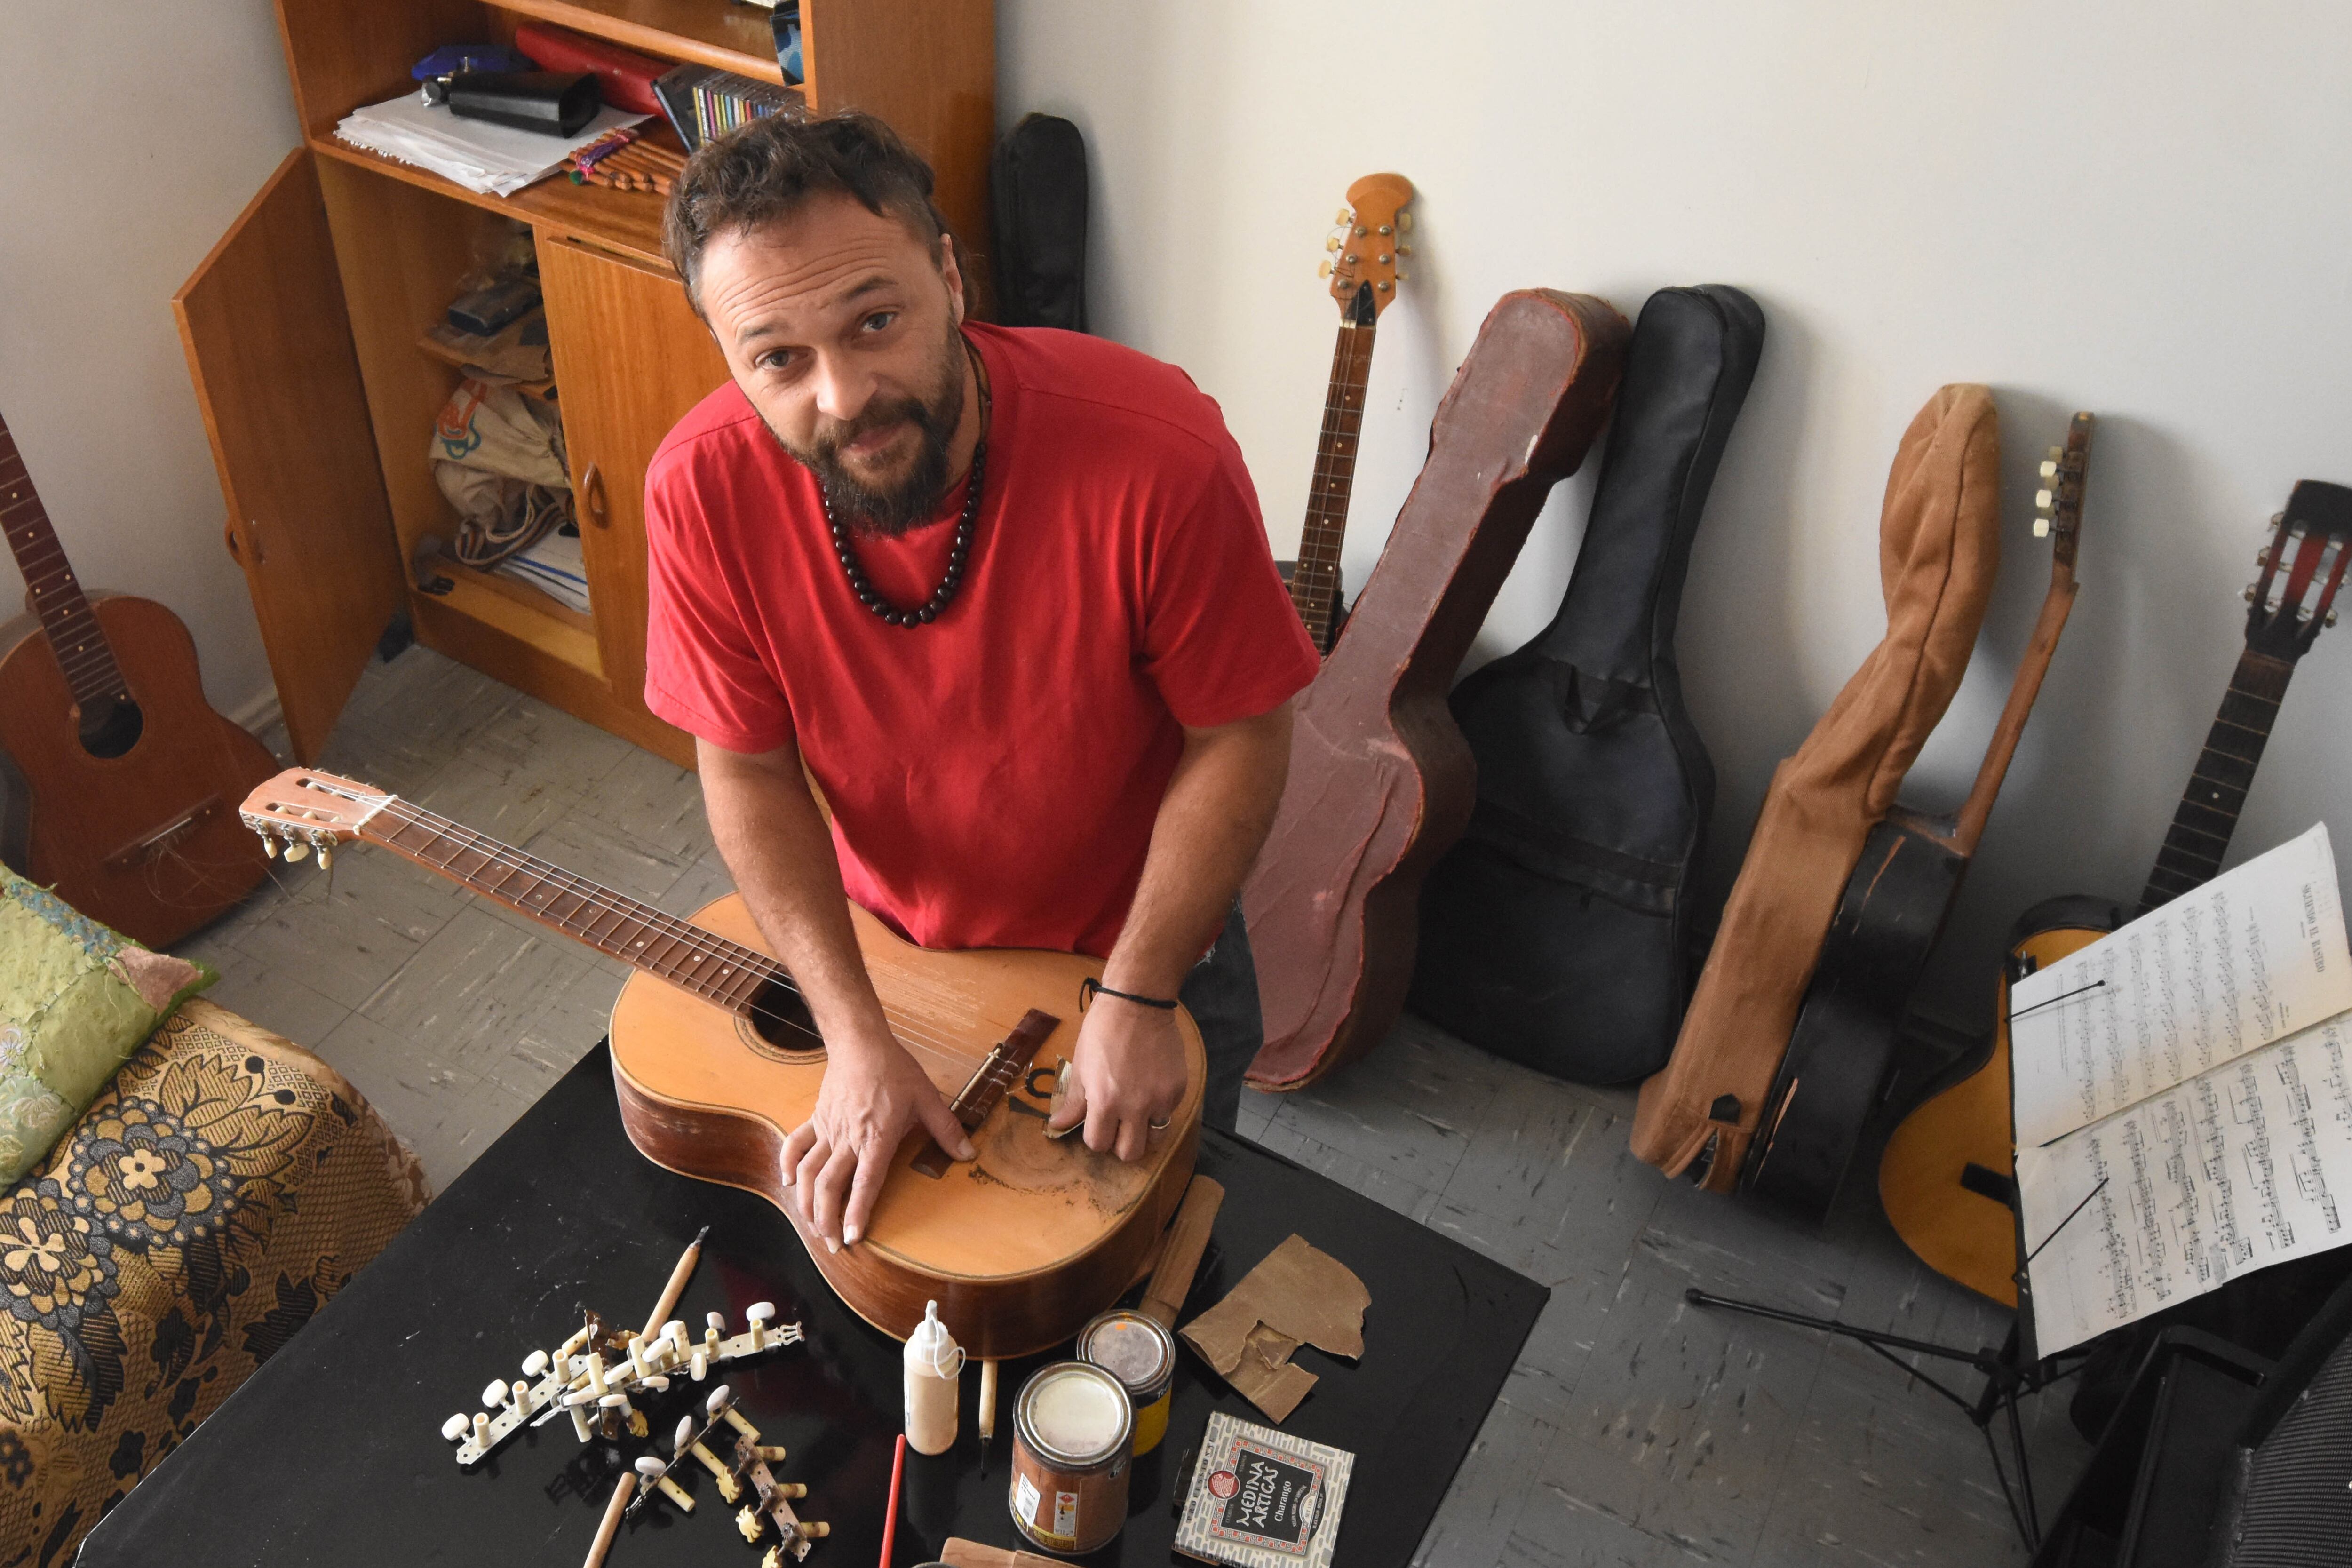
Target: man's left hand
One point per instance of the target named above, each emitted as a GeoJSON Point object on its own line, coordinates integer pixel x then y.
{"type": "Point", "coordinates": [1127, 1073]}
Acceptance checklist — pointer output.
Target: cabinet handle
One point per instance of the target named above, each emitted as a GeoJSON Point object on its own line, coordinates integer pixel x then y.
{"type": "Point", "coordinates": [237, 546]}
{"type": "Point", "coordinates": [592, 483]}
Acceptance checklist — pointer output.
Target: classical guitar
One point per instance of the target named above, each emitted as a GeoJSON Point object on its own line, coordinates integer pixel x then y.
{"type": "Point", "coordinates": [714, 1059]}
{"type": "Point", "coordinates": [1948, 1176]}
{"type": "Point", "coordinates": [1382, 782]}
{"type": "Point", "coordinates": [125, 780]}
{"type": "Point", "coordinates": [1365, 249]}
{"type": "Point", "coordinates": [1894, 908]}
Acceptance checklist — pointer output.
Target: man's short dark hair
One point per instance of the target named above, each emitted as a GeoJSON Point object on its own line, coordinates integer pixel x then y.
{"type": "Point", "coordinates": [765, 171]}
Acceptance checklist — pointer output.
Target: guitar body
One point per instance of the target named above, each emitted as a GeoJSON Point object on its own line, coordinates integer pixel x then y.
{"type": "Point", "coordinates": [147, 841]}
{"type": "Point", "coordinates": [1382, 782]}
{"type": "Point", "coordinates": [1836, 1067]}
{"type": "Point", "coordinates": [1948, 1178]}
{"type": "Point", "coordinates": [1019, 1247]}
{"type": "Point", "coordinates": [1557, 931]}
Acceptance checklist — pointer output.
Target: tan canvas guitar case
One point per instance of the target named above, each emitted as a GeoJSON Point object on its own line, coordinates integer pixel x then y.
{"type": "Point", "coordinates": [1939, 549]}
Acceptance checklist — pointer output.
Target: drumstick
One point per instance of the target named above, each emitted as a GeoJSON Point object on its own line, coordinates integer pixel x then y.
{"type": "Point", "coordinates": [1180, 1256]}
{"type": "Point", "coordinates": [890, 1520]}
{"type": "Point", "coordinates": [611, 1525]}
{"type": "Point", "coordinates": [987, 1411]}
{"type": "Point", "coordinates": [676, 1286]}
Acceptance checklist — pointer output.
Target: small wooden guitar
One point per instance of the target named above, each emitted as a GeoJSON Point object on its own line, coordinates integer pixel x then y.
{"type": "Point", "coordinates": [1382, 782]}
{"type": "Point", "coordinates": [125, 779]}
{"type": "Point", "coordinates": [1948, 1178]}
{"type": "Point", "coordinates": [1894, 908]}
{"type": "Point", "coordinates": [1365, 250]}
{"type": "Point", "coordinates": [714, 1059]}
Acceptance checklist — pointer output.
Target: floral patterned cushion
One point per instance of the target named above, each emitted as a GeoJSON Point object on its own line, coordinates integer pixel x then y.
{"type": "Point", "coordinates": [75, 999]}
{"type": "Point", "coordinates": [210, 1200]}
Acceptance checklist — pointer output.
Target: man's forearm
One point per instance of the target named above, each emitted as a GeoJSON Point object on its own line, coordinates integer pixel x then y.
{"type": "Point", "coordinates": [1213, 818]}
{"type": "Point", "coordinates": [778, 848]}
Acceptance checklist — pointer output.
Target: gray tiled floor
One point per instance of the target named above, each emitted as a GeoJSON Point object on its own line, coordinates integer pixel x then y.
{"type": "Point", "coordinates": [1635, 1429]}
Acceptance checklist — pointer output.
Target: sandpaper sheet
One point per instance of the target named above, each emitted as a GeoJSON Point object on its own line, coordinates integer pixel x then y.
{"type": "Point", "coordinates": [1297, 1295]}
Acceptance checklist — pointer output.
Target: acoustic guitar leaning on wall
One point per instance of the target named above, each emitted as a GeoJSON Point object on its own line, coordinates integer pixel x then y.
{"type": "Point", "coordinates": [1948, 1176]}
{"type": "Point", "coordinates": [126, 781]}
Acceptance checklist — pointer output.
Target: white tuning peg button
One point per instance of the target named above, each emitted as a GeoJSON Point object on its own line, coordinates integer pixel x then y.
{"type": "Point", "coordinates": [649, 1467]}
{"type": "Point", "coordinates": [1323, 269]}
{"type": "Point", "coordinates": [2041, 528]}
{"type": "Point", "coordinates": [2050, 468]}
{"type": "Point", "coordinates": [721, 1398]}
{"type": "Point", "coordinates": [698, 1364]}
{"type": "Point", "coordinates": [758, 1316]}
{"type": "Point", "coordinates": [682, 1435]}
{"type": "Point", "coordinates": [296, 851]}
{"type": "Point", "coordinates": [495, 1394]}
{"type": "Point", "coordinates": [456, 1427]}
{"type": "Point", "coordinates": [2046, 499]}
{"type": "Point", "coordinates": [534, 1365]}
{"type": "Point", "coordinates": [1343, 215]}
{"type": "Point", "coordinates": [326, 855]}
{"type": "Point", "coordinates": [1404, 223]}
{"type": "Point", "coordinates": [269, 846]}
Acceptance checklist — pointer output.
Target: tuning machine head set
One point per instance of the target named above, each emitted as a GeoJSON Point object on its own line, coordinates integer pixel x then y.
{"type": "Point", "coordinates": [284, 839]}
{"type": "Point", "coordinates": [605, 1383]}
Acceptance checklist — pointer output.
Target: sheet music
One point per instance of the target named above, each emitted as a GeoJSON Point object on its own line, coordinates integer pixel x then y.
{"type": "Point", "coordinates": [2248, 959]}
{"type": "Point", "coordinates": [2247, 1165]}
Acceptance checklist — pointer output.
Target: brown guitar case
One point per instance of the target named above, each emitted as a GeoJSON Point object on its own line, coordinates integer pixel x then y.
{"type": "Point", "coordinates": [1382, 782]}
{"type": "Point", "coordinates": [1939, 549]}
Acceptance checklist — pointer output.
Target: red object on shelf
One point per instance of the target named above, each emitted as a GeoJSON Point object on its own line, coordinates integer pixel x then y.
{"type": "Point", "coordinates": [626, 75]}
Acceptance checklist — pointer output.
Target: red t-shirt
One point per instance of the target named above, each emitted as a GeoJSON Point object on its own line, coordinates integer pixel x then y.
{"type": "Point", "coordinates": [994, 776]}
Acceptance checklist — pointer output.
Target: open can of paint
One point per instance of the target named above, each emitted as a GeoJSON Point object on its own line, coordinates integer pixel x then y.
{"type": "Point", "coordinates": [1141, 1354]}
{"type": "Point", "coordinates": [1072, 1428]}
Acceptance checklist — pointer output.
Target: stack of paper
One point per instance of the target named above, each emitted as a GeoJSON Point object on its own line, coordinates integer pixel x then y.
{"type": "Point", "coordinates": [2183, 1111]}
{"type": "Point", "coordinates": [495, 160]}
{"type": "Point", "coordinates": [552, 566]}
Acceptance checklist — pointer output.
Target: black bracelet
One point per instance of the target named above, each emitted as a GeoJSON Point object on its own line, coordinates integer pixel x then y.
{"type": "Point", "coordinates": [1089, 988]}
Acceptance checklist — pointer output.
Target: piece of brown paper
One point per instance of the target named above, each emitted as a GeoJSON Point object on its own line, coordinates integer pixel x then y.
{"type": "Point", "coordinates": [1297, 1295]}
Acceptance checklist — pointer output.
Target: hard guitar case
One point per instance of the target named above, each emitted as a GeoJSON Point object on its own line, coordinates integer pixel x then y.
{"type": "Point", "coordinates": [1556, 932]}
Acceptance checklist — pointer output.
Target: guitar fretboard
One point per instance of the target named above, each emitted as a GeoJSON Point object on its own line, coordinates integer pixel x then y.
{"type": "Point", "coordinates": [2208, 815]}
{"type": "Point", "coordinates": [638, 934]}
{"type": "Point", "coordinates": [80, 647]}
{"type": "Point", "coordinates": [1315, 580]}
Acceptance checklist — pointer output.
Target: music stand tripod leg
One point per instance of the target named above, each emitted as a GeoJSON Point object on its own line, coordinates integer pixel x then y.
{"type": "Point", "coordinates": [2005, 1383]}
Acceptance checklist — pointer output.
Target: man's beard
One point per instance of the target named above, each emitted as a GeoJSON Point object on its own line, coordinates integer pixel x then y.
{"type": "Point", "coordinates": [889, 511]}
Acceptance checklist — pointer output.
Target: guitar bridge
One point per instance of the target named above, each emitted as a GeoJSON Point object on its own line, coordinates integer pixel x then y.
{"type": "Point", "coordinates": [1006, 1062]}
{"type": "Point", "coordinates": [150, 847]}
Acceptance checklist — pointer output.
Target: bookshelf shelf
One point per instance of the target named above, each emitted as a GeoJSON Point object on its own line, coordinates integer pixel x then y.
{"type": "Point", "coordinates": [628, 222]}
{"type": "Point", "coordinates": [723, 33]}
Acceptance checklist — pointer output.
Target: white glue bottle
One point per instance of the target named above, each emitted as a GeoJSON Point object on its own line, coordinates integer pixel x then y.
{"type": "Point", "coordinates": [934, 1362]}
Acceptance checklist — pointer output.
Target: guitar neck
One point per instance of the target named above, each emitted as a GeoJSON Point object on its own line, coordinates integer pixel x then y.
{"type": "Point", "coordinates": [1315, 580]}
{"type": "Point", "coordinates": [81, 648]}
{"type": "Point", "coordinates": [1969, 825]}
{"type": "Point", "coordinates": [2208, 814]}
{"type": "Point", "coordinates": [638, 934]}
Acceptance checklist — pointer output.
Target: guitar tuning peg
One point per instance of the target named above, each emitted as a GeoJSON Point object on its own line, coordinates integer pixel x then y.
{"type": "Point", "coordinates": [326, 855]}
{"type": "Point", "coordinates": [1404, 223]}
{"type": "Point", "coordinates": [2050, 468]}
{"type": "Point", "coordinates": [1332, 243]}
{"type": "Point", "coordinates": [296, 851]}
{"type": "Point", "coordinates": [2044, 499]}
{"type": "Point", "coordinates": [1323, 270]}
{"type": "Point", "coordinates": [2249, 594]}
{"type": "Point", "coordinates": [2041, 528]}
{"type": "Point", "coordinates": [1404, 277]}
{"type": "Point", "coordinates": [2262, 556]}
{"type": "Point", "coordinates": [1344, 216]}
{"type": "Point", "coordinates": [1404, 250]}
{"type": "Point", "coordinates": [269, 846]}
{"type": "Point", "coordinates": [2330, 620]}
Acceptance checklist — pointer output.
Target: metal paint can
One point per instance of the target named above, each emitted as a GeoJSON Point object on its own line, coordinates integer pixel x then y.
{"type": "Point", "coordinates": [1141, 1354]}
{"type": "Point", "coordinates": [1071, 1430]}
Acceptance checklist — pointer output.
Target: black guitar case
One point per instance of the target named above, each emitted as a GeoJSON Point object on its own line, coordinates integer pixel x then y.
{"type": "Point", "coordinates": [1555, 932]}
{"type": "Point", "coordinates": [1038, 197]}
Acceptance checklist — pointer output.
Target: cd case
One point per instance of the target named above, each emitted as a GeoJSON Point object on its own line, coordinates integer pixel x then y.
{"type": "Point", "coordinates": [1262, 1498]}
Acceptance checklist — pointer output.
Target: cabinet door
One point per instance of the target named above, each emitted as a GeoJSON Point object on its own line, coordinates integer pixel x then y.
{"type": "Point", "coordinates": [270, 346]}
{"type": "Point", "coordinates": [631, 359]}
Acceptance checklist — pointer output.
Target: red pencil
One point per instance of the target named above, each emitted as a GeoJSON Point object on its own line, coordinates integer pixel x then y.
{"type": "Point", "coordinates": [890, 1520]}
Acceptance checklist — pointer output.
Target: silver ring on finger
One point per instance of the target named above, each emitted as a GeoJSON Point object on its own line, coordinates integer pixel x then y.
{"type": "Point", "coordinates": [1162, 1125]}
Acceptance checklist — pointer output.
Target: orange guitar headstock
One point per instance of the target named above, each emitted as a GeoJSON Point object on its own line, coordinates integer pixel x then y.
{"type": "Point", "coordinates": [1367, 246]}
{"type": "Point", "coordinates": [2058, 504]}
{"type": "Point", "coordinates": [2301, 568]}
{"type": "Point", "coordinates": [303, 809]}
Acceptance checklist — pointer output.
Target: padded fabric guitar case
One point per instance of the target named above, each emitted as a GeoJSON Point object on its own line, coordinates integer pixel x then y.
{"type": "Point", "coordinates": [1555, 931]}
{"type": "Point", "coordinates": [1038, 196]}
{"type": "Point", "coordinates": [1938, 546]}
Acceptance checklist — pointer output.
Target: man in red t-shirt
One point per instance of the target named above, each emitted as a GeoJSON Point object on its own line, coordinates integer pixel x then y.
{"type": "Point", "coordinates": [1006, 596]}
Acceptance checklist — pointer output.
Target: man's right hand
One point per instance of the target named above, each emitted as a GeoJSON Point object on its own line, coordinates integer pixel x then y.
{"type": "Point", "coordinates": [835, 1163]}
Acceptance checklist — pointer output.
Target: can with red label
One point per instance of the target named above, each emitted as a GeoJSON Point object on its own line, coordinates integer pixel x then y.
{"type": "Point", "coordinates": [1072, 1428]}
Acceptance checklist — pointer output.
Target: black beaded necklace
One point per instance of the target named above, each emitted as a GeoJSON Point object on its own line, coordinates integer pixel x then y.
{"type": "Point", "coordinates": [960, 552]}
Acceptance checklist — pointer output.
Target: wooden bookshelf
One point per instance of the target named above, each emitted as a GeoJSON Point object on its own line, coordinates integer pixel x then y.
{"type": "Point", "coordinates": [372, 248]}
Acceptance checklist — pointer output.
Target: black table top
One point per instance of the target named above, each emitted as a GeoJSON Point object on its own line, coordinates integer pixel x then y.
{"type": "Point", "coordinates": [332, 1453]}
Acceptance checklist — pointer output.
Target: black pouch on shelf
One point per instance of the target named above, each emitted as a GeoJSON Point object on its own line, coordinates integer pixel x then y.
{"type": "Point", "coordinates": [557, 102]}
{"type": "Point", "coordinates": [1039, 193]}
{"type": "Point", "coordinates": [1556, 932]}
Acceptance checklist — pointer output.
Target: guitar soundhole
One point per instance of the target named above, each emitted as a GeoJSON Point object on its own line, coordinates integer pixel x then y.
{"type": "Point", "coordinates": [780, 1025]}
{"type": "Point", "coordinates": [112, 731]}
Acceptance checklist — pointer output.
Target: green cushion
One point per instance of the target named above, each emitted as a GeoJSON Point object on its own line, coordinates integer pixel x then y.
{"type": "Point", "coordinates": [76, 999]}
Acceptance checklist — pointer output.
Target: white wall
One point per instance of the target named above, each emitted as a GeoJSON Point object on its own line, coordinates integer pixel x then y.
{"type": "Point", "coordinates": [135, 137]}
{"type": "Point", "coordinates": [2130, 207]}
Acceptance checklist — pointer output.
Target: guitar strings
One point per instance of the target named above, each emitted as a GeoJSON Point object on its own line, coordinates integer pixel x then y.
{"type": "Point", "coordinates": [704, 943]}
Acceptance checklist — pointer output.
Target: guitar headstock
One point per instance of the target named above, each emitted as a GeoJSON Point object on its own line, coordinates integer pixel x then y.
{"type": "Point", "coordinates": [2303, 566]}
{"type": "Point", "coordinates": [1366, 246]}
{"type": "Point", "coordinates": [2058, 504]}
{"type": "Point", "coordinates": [303, 809]}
